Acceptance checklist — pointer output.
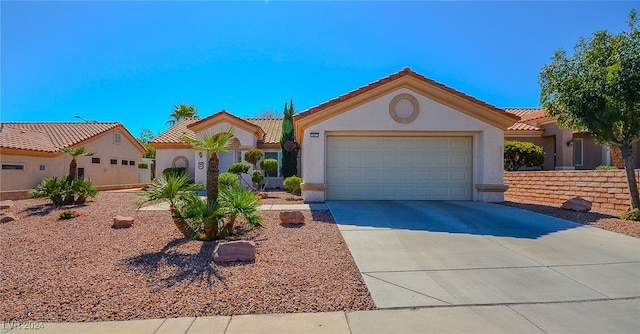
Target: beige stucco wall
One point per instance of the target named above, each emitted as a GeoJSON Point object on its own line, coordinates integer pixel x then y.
{"type": "Point", "coordinates": [103, 173]}
{"type": "Point", "coordinates": [165, 159]}
{"type": "Point", "coordinates": [433, 119]}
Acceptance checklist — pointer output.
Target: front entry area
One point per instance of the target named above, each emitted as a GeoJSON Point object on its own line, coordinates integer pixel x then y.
{"type": "Point", "coordinates": [399, 168]}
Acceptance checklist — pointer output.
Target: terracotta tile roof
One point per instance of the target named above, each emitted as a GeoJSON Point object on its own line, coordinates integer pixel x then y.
{"type": "Point", "coordinates": [404, 72]}
{"type": "Point", "coordinates": [523, 127]}
{"type": "Point", "coordinates": [176, 132]}
{"type": "Point", "coordinates": [527, 114]}
{"type": "Point", "coordinates": [49, 136]}
{"type": "Point", "coordinates": [271, 127]}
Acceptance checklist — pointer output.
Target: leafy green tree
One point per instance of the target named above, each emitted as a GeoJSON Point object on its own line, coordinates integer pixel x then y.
{"type": "Point", "coordinates": [212, 144]}
{"type": "Point", "coordinates": [75, 152]}
{"type": "Point", "coordinates": [597, 89]}
{"type": "Point", "coordinates": [181, 112]}
{"type": "Point", "coordinates": [288, 142]}
{"type": "Point", "coordinates": [145, 138]}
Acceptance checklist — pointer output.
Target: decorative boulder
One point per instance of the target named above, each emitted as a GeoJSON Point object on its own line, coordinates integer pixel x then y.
{"type": "Point", "coordinates": [6, 204]}
{"type": "Point", "coordinates": [122, 222]}
{"type": "Point", "coordinates": [263, 195]}
{"type": "Point", "coordinates": [577, 204]}
{"type": "Point", "coordinates": [234, 251]}
{"type": "Point", "coordinates": [291, 217]}
{"type": "Point", "coordinates": [7, 217]}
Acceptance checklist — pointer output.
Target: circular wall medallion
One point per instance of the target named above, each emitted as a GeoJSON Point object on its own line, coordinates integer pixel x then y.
{"type": "Point", "coordinates": [404, 108]}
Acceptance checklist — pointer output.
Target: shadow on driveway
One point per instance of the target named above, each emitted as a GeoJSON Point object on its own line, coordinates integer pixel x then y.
{"type": "Point", "coordinates": [476, 218]}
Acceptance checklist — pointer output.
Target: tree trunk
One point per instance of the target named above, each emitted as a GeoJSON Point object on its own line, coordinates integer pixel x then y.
{"type": "Point", "coordinates": [73, 169]}
{"type": "Point", "coordinates": [616, 156]}
{"type": "Point", "coordinates": [181, 224]}
{"type": "Point", "coordinates": [627, 157]}
{"type": "Point", "coordinates": [213, 171]}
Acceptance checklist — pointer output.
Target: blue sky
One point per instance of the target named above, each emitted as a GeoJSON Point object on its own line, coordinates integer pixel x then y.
{"type": "Point", "coordinates": [132, 61]}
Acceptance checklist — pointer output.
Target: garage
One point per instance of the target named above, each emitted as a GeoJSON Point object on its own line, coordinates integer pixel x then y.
{"type": "Point", "coordinates": [399, 168]}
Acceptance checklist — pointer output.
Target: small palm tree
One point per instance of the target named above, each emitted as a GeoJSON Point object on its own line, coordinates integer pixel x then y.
{"type": "Point", "coordinates": [181, 112]}
{"type": "Point", "coordinates": [212, 144]}
{"type": "Point", "coordinates": [75, 152]}
{"type": "Point", "coordinates": [171, 189]}
{"type": "Point", "coordinates": [236, 202]}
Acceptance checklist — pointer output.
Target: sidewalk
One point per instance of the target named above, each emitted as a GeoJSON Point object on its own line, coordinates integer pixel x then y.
{"type": "Point", "coordinates": [576, 317]}
{"type": "Point", "coordinates": [268, 207]}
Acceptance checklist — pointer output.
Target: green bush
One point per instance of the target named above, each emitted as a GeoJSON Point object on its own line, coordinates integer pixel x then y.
{"type": "Point", "coordinates": [253, 156]}
{"type": "Point", "coordinates": [631, 215]}
{"type": "Point", "coordinates": [61, 191]}
{"type": "Point", "coordinates": [292, 183]}
{"type": "Point", "coordinates": [82, 189]}
{"type": "Point", "coordinates": [228, 180]}
{"type": "Point", "coordinates": [606, 168]}
{"type": "Point", "coordinates": [174, 171]}
{"type": "Point", "coordinates": [257, 177]}
{"type": "Point", "coordinates": [239, 168]}
{"type": "Point", "coordinates": [269, 165]}
{"type": "Point", "coordinates": [67, 214]}
{"type": "Point", "coordinates": [518, 154]}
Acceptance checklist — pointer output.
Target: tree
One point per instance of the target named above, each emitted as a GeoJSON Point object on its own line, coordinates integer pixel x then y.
{"type": "Point", "coordinates": [145, 138]}
{"type": "Point", "coordinates": [288, 142]}
{"type": "Point", "coordinates": [212, 144]}
{"type": "Point", "coordinates": [75, 152]}
{"type": "Point", "coordinates": [181, 112]}
{"type": "Point", "coordinates": [267, 113]}
{"type": "Point", "coordinates": [597, 89]}
{"type": "Point", "coordinates": [519, 154]}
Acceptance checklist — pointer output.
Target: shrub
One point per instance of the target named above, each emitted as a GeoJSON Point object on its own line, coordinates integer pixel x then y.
{"type": "Point", "coordinates": [228, 180]}
{"type": "Point", "coordinates": [606, 168]}
{"type": "Point", "coordinates": [68, 214]}
{"type": "Point", "coordinates": [631, 215]}
{"type": "Point", "coordinates": [269, 165]}
{"type": "Point", "coordinates": [292, 183]}
{"type": "Point", "coordinates": [253, 156]}
{"type": "Point", "coordinates": [239, 168]}
{"type": "Point", "coordinates": [54, 188]}
{"type": "Point", "coordinates": [518, 154]}
{"type": "Point", "coordinates": [257, 177]}
{"type": "Point", "coordinates": [174, 171]}
{"type": "Point", "coordinates": [82, 189]}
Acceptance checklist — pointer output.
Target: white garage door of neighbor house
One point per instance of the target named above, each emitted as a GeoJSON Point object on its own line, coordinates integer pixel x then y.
{"type": "Point", "coordinates": [399, 168]}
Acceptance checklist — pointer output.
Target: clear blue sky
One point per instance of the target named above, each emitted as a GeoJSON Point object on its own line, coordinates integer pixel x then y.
{"type": "Point", "coordinates": [132, 61]}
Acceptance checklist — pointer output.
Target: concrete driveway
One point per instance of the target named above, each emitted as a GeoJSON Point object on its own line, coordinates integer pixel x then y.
{"type": "Point", "coordinates": [437, 254]}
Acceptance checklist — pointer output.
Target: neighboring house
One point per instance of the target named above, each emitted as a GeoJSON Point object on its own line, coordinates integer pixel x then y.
{"type": "Point", "coordinates": [30, 152]}
{"type": "Point", "coordinates": [403, 137]}
{"type": "Point", "coordinates": [249, 133]}
{"type": "Point", "coordinates": [564, 149]}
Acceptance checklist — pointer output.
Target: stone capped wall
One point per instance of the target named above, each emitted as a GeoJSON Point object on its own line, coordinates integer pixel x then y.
{"type": "Point", "coordinates": [604, 188]}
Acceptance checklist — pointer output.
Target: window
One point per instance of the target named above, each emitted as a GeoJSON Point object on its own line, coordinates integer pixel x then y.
{"type": "Point", "coordinates": [81, 172]}
{"type": "Point", "coordinates": [125, 162]}
{"type": "Point", "coordinates": [114, 161]}
{"type": "Point", "coordinates": [273, 155]}
{"type": "Point", "coordinates": [132, 163]}
{"type": "Point", "coordinates": [95, 160]}
{"type": "Point", "coordinates": [41, 167]}
{"type": "Point", "coordinates": [116, 137]}
{"type": "Point", "coordinates": [578, 152]}
{"type": "Point", "coordinates": [12, 167]}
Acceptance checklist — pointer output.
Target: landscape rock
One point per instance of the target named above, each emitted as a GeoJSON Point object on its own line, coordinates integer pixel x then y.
{"type": "Point", "coordinates": [234, 251]}
{"type": "Point", "coordinates": [263, 195]}
{"type": "Point", "coordinates": [7, 204]}
{"type": "Point", "coordinates": [291, 217]}
{"type": "Point", "coordinates": [122, 222]}
{"type": "Point", "coordinates": [7, 217]}
{"type": "Point", "coordinates": [577, 204]}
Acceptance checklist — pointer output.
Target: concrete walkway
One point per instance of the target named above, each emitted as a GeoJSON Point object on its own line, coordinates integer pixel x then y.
{"type": "Point", "coordinates": [273, 207]}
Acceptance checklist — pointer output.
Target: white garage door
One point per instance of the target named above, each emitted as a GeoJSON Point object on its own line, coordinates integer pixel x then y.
{"type": "Point", "coordinates": [399, 168]}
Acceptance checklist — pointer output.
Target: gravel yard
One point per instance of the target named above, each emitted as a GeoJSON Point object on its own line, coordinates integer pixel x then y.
{"type": "Point", "coordinates": [606, 220]}
{"type": "Point", "coordinates": [83, 270]}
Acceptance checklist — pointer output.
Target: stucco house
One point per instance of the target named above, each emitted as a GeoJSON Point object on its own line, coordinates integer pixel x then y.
{"type": "Point", "coordinates": [249, 133]}
{"type": "Point", "coordinates": [30, 152]}
{"type": "Point", "coordinates": [402, 137]}
{"type": "Point", "coordinates": [564, 149]}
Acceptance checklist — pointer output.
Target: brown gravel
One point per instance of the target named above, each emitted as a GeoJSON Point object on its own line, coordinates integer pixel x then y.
{"type": "Point", "coordinates": [606, 220]}
{"type": "Point", "coordinates": [83, 270]}
{"type": "Point", "coordinates": [281, 197]}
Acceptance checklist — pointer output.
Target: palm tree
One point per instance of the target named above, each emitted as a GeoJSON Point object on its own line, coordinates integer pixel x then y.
{"type": "Point", "coordinates": [181, 112]}
{"type": "Point", "coordinates": [75, 152]}
{"type": "Point", "coordinates": [172, 189]}
{"type": "Point", "coordinates": [235, 203]}
{"type": "Point", "coordinates": [212, 144]}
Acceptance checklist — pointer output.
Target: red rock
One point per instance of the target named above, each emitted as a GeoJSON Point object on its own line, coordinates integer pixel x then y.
{"type": "Point", "coordinates": [577, 204]}
{"type": "Point", "coordinates": [7, 217]}
{"type": "Point", "coordinates": [291, 217]}
{"type": "Point", "coordinates": [122, 222]}
{"type": "Point", "coordinates": [6, 204]}
{"type": "Point", "coordinates": [263, 195]}
{"type": "Point", "coordinates": [234, 251]}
